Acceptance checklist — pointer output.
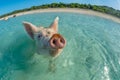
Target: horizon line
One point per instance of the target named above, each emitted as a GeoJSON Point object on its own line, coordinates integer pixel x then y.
{"type": "Point", "coordinates": [57, 3]}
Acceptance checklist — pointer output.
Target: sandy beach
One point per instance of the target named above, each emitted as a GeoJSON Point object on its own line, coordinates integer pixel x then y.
{"type": "Point", "coordinates": [71, 10]}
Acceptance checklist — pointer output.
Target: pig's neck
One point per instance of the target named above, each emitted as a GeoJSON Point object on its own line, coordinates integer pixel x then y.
{"type": "Point", "coordinates": [55, 52]}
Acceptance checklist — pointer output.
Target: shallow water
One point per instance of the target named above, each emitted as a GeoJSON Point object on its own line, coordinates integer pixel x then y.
{"type": "Point", "coordinates": [92, 51]}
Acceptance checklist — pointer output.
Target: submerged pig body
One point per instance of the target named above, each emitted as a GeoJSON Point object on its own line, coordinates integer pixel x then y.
{"type": "Point", "coordinates": [48, 41]}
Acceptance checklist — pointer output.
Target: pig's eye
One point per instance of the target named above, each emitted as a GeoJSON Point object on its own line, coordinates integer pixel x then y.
{"type": "Point", "coordinates": [48, 32]}
{"type": "Point", "coordinates": [39, 36]}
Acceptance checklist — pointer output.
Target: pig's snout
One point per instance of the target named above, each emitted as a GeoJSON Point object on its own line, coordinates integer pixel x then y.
{"type": "Point", "coordinates": [57, 41]}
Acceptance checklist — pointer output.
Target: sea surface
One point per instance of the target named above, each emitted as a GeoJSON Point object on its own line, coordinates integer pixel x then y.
{"type": "Point", "coordinates": [92, 51]}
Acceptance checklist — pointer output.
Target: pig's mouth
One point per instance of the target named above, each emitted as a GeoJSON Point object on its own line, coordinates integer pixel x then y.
{"type": "Point", "coordinates": [57, 42]}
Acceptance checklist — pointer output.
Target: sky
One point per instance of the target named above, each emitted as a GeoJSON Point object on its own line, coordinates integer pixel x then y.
{"type": "Point", "coordinates": [7, 6]}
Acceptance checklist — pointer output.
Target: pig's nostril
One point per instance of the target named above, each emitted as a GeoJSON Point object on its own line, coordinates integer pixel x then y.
{"type": "Point", "coordinates": [54, 41]}
{"type": "Point", "coordinates": [61, 41]}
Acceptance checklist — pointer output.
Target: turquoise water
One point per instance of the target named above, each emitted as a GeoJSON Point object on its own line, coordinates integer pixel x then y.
{"type": "Point", "coordinates": [92, 51]}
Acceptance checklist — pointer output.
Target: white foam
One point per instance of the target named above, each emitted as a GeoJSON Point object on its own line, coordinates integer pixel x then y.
{"type": "Point", "coordinates": [106, 73]}
{"type": "Point", "coordinates": [67, 63]}
{"type": "Point", "coordinates": [119, 61]}
{"type": "Point", "coordinates": [70, 63]}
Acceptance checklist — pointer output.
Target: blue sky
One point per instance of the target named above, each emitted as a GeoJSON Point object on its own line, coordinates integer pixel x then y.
{"type": "Point", "coordinates": [7, 6]}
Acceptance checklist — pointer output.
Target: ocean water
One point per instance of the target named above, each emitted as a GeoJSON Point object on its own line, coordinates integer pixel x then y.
{"type": "Point", "coordinates": [92, 51]}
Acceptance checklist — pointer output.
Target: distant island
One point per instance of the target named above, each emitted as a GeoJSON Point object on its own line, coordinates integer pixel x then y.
{"type": "Point", "coordinates": [102, 9]}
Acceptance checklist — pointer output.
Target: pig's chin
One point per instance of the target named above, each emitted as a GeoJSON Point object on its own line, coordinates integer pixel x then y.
{"type": "Point", "coordinates": [48, 50]}
{"type": "Point", "coordinates": [55, 52]}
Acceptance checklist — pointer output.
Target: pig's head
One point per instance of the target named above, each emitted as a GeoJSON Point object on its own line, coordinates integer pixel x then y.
{"type": "Point", "coordinates": [48, 41]}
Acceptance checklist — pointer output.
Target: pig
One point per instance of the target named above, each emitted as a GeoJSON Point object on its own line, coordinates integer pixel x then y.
{"type": "Point", "coordinates": [48, 40]}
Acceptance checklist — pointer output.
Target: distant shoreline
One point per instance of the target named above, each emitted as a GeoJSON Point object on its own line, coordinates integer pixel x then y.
{"type": "Point", "coordinates": [71, 10]}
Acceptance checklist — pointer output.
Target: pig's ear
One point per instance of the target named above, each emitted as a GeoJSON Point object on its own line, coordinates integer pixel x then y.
{"type": "Point", "coordinates": [30, 28]}
{"type": "Point", "coordinates": [54, 25]}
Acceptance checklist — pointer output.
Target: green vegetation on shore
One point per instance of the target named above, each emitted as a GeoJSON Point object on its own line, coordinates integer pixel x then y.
{"type": "Point", "coordinates": [103, 9]}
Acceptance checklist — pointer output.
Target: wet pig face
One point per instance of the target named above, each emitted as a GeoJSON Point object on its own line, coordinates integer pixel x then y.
{"type": "Point", "coordinates": [48, 40]}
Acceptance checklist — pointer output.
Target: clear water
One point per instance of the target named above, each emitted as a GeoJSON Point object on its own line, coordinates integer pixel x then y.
{"type": "Point", "coordinates": [92, 51]}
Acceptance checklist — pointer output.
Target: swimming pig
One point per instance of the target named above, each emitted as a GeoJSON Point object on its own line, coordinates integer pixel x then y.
{"type": "Point", "coordinates": [48, 40]}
